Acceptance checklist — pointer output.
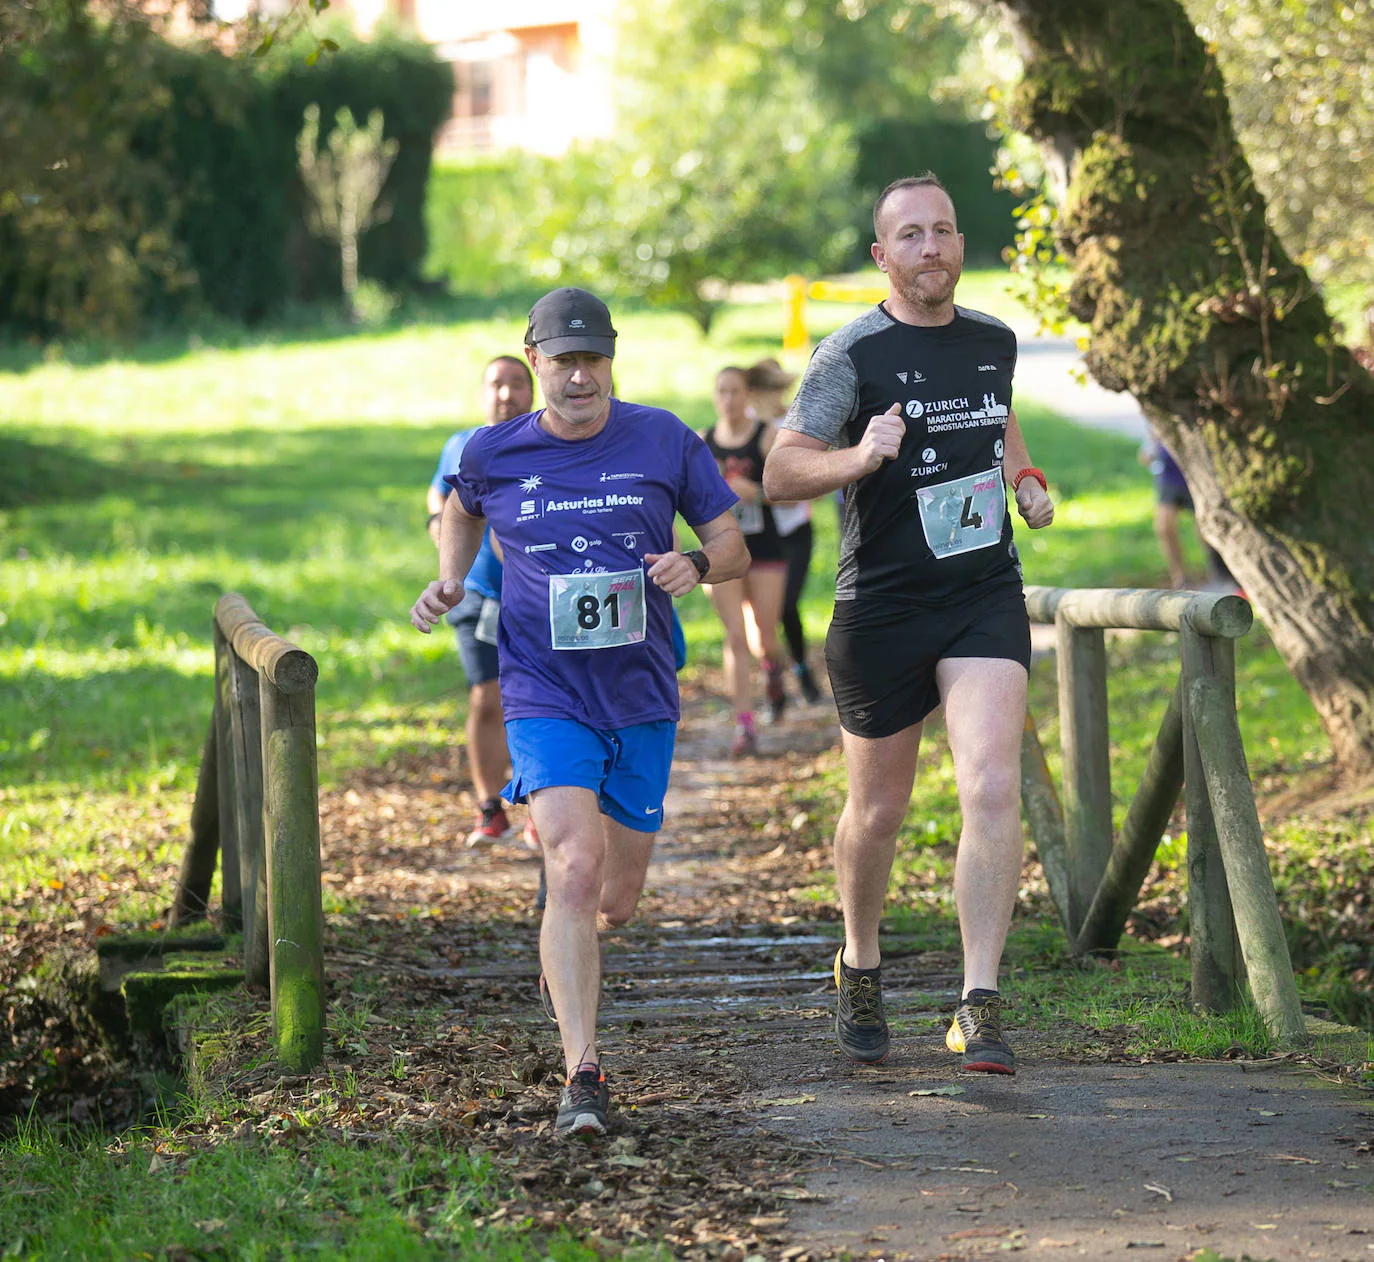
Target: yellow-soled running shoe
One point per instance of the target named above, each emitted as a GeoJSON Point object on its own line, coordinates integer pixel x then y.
{"type": "Point", "coordinates": [976, 1031]}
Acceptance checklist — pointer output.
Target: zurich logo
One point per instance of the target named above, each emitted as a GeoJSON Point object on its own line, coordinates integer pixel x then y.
{"type": "Point", "coordinates": [928, 455]}
{"type": "Point", "coordinates": [915, 408]}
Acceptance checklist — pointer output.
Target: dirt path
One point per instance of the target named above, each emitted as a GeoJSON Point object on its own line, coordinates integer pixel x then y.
{"type": "Point", "coordinates": [739, 1129]}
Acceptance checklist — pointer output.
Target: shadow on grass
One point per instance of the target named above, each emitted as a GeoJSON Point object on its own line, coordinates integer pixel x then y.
{"type": "Point", "coordinates": [35, 473]}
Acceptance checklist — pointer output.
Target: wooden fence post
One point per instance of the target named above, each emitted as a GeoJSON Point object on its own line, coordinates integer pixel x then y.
{"type": "Point", "coordinates": [246, 728]}
{"type": "Point", "coordinates": [1262, 940]}
{"type": "Point", "coordinates": [231, 890]}
{"type": "Point", "coordinates": [1144, 825]}
{"type": "Point", "coordinates": [1045, 816]}
{"type": "Point", "coordinates": [1087, 771]}
{"type": "Point", "coordinates": [1213, 952]}
{"type": "Point", "coordinates": [292, 839]}
{"type": "Point", "coordinates": [202, 851]}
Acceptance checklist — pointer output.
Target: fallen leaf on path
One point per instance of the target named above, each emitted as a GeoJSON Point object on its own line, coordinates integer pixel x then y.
{"type": "Point", "coordinates": [951, 1090]}
{"type": "Point", "coordinates": [1160, 1190]}
{"type": "Point", "coordinates": [786, 1100]}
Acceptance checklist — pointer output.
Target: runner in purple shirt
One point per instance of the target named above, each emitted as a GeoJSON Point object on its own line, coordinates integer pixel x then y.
{"type": "Point", "coordinates": [581, 497]}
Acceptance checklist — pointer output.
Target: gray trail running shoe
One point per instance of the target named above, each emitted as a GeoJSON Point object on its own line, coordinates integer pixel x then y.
{"type": "Point", "coordinates": [976, 1031]}
{"type": "Point", "coordinates": [859, 1025]}
{"type": "Point", "coordinates": [582, 1106]}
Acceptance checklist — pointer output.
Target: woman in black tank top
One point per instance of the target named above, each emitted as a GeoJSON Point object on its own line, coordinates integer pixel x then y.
{"type": "Point", "coordinates": [748, 607]}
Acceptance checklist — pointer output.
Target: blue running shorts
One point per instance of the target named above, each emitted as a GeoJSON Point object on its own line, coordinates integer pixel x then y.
{"type": "Point", "coordinates": [626, 767]}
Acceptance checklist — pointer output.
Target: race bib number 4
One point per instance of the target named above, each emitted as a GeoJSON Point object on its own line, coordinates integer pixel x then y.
{"type": "Point", "coordinates": [963, 515]}
{"type": "Point", "coordinates": [596, 611]}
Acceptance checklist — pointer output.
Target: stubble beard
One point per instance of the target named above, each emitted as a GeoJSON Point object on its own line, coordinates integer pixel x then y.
{"type": "Point", "coordinates": [911, 292]}
{"type": "Point", "coordinates": [582, 420]}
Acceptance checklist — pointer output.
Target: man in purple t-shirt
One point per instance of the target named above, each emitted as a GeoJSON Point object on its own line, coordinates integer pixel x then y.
{"type": "Point", "coordinates": [581, 497]}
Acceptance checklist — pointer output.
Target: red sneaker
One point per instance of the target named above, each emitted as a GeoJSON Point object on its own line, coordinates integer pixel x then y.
{"type": "Point", "coordinates": [492, 824]}
{"type": "Point", "coordinates": [745, 744]}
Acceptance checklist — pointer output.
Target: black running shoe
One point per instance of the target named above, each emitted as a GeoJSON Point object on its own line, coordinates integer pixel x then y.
{"type": "Point", "coordinates": [806, 683]}
{"type": "Point", "coordinates": [777, 697]}
{"type": "Point", "coordinates": [976, 1031]}
{"type": "Point", "coordinates": [859, 1024]}
{"type": "Point", "coordinates": [582, 1106]}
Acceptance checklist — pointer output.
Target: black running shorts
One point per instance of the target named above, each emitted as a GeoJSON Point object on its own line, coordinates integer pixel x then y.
{"type": "Point", "coordinates": [883, 673]}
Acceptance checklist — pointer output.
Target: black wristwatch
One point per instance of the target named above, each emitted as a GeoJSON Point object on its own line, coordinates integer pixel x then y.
{"type": "Point", "coordinates": [703, 563]}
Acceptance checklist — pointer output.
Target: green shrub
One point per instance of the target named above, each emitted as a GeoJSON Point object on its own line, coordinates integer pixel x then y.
{"type": "Point", "coordinates": [151, 178]}
{"type": "Point", "coordinates": [475, 215]}
{"type": "Point", "coordinates": [414, 90]}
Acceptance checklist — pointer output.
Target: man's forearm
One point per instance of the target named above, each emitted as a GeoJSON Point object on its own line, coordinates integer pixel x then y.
{"type": "Point", "coordinates": [728, 555]}
{"type": "Point", "coordinates": [796, 473]}
{"type": "Point", "coordinates": [1016, 455]}
{"type": "Point", "coordinates": [460, 536]}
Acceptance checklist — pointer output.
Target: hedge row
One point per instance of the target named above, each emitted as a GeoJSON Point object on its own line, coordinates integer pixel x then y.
{"type": "Point", "coordinates": [193, 156]}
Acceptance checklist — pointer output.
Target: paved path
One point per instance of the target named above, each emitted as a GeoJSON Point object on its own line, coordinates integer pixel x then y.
{"type": "Point", "coordinates": [1111, 1160]}
{"type": "Point", "coordinates": [1047, 370]}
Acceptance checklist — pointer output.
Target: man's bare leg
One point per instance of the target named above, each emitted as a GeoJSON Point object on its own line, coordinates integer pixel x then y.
{"type": "Point", "coordinates": [880, 774]}
{"type": "Point", "coordinates": [486, 737]}
{"type": "Point", "coordinates": [627, 862]}
{"type": "Point", "coordinates": [570, 828]}
{"type": "Point", "coordinates": [985, 706]}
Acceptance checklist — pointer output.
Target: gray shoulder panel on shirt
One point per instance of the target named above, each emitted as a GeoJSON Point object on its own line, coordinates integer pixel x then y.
{"type": "Point", "coordinates": [828, 398]}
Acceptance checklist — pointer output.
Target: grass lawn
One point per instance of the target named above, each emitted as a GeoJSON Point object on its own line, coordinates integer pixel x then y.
{"type": "Point", "coordinates": [292, 467]}
{"type": "Point", "coordinates": [293, 470]}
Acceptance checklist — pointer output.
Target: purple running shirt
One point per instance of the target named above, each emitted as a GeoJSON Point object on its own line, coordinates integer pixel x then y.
{"type": "Point", "coordinates": [583, 634]}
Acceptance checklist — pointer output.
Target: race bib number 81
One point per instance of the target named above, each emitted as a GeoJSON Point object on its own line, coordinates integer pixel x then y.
{"type": "Point", "coordinates": [596, 611]}
{"type": "Point", "coordinates": [963, 515]}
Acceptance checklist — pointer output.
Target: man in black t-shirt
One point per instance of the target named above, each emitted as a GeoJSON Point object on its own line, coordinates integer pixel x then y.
{"type": "Point", "coordinates": [908, 408]}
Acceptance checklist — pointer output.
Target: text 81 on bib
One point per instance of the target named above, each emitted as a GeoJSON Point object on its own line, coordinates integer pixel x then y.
{"type": "Point", "coordinates": [596, 611]}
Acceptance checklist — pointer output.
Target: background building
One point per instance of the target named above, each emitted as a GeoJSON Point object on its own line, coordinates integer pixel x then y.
{"type": "Point", "coordinates": [528, 74]}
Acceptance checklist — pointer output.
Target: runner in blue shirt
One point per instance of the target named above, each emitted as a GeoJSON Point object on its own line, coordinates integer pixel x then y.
{"type": "Point", "coordinates": [507, 392]}
{"type": "Point", "coordinates": [582, 497]}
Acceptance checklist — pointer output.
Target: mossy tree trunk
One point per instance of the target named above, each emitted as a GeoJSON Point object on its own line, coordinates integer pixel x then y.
{"type": "Point", "coordinates": [1196, 309]}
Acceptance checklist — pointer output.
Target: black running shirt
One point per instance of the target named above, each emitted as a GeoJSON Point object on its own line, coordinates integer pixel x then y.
{"type": "Point", "coordinates": [927, 528]}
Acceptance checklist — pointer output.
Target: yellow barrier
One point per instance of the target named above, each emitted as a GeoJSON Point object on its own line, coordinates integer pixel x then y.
{"type": "Point", "coordinates": [794, 336]}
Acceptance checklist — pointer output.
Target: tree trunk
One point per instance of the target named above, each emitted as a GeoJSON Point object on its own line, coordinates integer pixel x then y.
{"type": "Point", "coordinates": [1196, 309]}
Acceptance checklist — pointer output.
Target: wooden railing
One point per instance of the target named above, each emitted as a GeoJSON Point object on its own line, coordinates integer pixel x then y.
{"type": "Point", "coordinates": [1235, 929]}
{"type": "Point", "coordinates": [257, 808]}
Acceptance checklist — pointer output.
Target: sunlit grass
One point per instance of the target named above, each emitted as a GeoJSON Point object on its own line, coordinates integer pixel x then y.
{"type": "Point", "coordinates": [291, 466]}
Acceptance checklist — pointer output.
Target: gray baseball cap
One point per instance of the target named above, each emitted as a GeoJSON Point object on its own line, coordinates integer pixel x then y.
{"type": "Point", "coordinates": [566, 320]}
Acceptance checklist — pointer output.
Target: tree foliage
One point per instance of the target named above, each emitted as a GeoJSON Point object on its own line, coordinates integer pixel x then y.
{"type": "Point", "coordinates": [1302, 95]}
{"type": "Point", "coordinates": [724, 168]}
{"type": "Point", "coordinates": [753, 136]}
{"type": "Point", "coordinates": [84, 231]}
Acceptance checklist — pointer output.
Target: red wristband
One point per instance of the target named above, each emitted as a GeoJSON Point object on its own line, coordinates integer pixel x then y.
{"type": "Point", "coordinates": [1037, 474]}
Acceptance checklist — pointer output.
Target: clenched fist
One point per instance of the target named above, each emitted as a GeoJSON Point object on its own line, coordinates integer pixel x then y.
{"type": "Point", "coordinates": [882, 438]}
{"type": "Point", "coordinates": [1034, 504]}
